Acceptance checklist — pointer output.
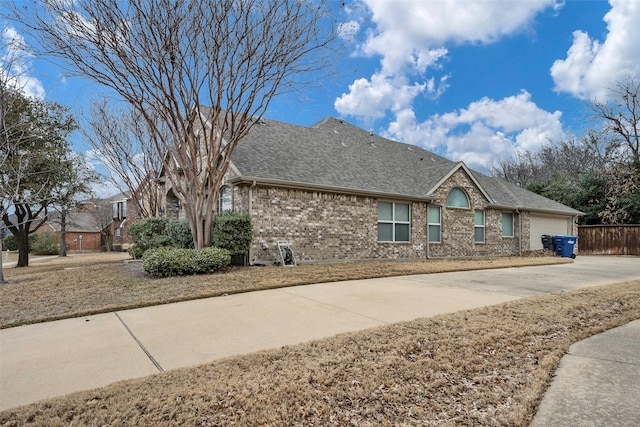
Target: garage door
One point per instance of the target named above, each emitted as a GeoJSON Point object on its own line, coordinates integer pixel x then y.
{"type": "Point", "coordinates": [542, 224]}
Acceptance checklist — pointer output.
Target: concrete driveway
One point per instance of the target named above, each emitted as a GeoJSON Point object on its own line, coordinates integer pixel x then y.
{"type": "Point", "coordinates": [55, 358]}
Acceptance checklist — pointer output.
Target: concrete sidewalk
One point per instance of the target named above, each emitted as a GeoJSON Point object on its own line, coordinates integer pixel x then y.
{"type": "Point", "coordinates": [597, 383]}
{"type": "Point", "coordinates": [51, 359]}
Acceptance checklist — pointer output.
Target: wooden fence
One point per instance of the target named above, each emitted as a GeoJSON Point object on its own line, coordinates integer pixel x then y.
{"type": "Point", "coordinates": [609, 239]}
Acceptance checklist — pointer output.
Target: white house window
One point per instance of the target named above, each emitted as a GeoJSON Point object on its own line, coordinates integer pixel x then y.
{"type": "Point", "coordinates": [225, 200]}
{"type": "Point", "coordinates": [435, 225]}
{"type": "Point", "coordinates": [478, 227]}
{"type": "Point", "coordinates": [117, 232]}
{"type": "Point", "coordinates": [457, 199]}
{"type": "Point", "coordinates": [393, 222]}
{"type": "Point", "coordinates": [507, 224]}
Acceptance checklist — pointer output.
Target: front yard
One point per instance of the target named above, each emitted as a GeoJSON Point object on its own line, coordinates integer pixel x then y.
{"type": "Point", "coordinates": [84, 284]}
{"type": "Point", "coordinates": [488, 366]}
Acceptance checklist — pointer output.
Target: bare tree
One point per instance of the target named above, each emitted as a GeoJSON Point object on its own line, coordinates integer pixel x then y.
{"type": "Point", "coordinates": [566, 158]}
{"type": "Point", "coordinates": [200, 73]}
{"type": "Point", "coordinates": [74, 182]}
{"type": "Point", "coordinates": [102, 214]}
{"type": "Point", "coordinates": [620, 119]}
{"type": "Point", "coordinates": [121, 141]}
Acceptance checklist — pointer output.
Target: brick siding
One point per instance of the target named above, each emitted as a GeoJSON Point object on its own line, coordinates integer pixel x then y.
{"type": "Point", "coordinates": [324, 226]}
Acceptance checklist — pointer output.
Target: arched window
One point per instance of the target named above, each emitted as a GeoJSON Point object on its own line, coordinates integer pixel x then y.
{"type": "Point", "coordinates": [457, 199]}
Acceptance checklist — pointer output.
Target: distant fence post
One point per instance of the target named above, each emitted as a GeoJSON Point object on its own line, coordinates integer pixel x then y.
{"type": "Point", "coordinates": [609, 239]}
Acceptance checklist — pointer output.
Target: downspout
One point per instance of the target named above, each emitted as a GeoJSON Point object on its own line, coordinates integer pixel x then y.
{"type": "Point", "coordinates": [250, 208]}
{"type": "Point", "coordinates": [519, 230]}
{"type": "Point", "coordinates": [427, 224]}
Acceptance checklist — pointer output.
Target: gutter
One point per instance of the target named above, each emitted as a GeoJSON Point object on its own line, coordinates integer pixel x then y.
{"type": "Point", "coordinates": [572, 212]}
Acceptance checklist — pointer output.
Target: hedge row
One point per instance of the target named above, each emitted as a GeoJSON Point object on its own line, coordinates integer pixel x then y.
{"type": "Point", "coordinates": [170, 261]}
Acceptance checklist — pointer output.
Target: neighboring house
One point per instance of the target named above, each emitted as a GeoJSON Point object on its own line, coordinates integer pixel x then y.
{"type": "Point", "coordinates": [124, 213]}
{"type": "Point", "coordinates": [83, 231]}
{"type": "Point", "coordinates": [337, 192]}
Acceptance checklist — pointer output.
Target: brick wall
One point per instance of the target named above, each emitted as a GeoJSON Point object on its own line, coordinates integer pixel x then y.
{"type": "Point", "coordinates": [90, 241]}
{"type": "Point", "coordinates": [457, 224]}
{"type": "Point", "coordinates": [324, 226]}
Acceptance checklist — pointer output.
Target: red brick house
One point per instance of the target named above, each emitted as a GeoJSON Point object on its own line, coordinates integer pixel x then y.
{"type": "Point", "coordinates": [83, 231]}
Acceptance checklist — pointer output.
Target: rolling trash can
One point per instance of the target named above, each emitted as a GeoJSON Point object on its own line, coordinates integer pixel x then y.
{"type": "Point", "coordinates": [564, 245]}
{"type": "Point", "coordinates": [547, 242]}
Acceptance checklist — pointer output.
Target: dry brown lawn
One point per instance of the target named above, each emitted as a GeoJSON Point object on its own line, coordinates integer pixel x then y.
{"type": "Point", "coordinates": [85, 284]}
{"type": "Point", "coordinates": [488, 366]}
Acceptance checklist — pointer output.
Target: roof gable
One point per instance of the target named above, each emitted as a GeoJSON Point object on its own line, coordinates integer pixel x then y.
{"type": "Point", "coordinates": [458, 166]}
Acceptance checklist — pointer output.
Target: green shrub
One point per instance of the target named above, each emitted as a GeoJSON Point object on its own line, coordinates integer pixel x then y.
{"type": "Point", "coordinates": [158, 232]}
{"type": "Point", "coordinates": [10, 243]}
{"type": "Point", "coordinates": [179, 233]}
{"type": "Point", "coordinates": [136, 251]}
{"type": "Point", "coordinates": [168, 261]}
{"type": "Point", "coordinates": [146, 234]}
{"type": "Point", "coordinates": [233, 232]}
{"type": "Point", "coordinates": [47, 243]}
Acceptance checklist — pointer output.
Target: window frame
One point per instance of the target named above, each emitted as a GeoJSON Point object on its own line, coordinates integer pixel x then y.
{"type": "Point", "coordinates": [513, 225]}
{"type": "Point", "coordinates": [434, 224]}
{"type": "Point", "coordinates": [394, 222]}
{"type": "Point", "coordinates": [477, 227]}
{"type": "Point", "coordinates": [221, 199]}
{"type": "Point", "coordinates": [462, 192]}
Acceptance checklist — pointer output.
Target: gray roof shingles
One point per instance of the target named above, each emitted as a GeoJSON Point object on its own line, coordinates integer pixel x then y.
{"type": "Point", "coordinates": [333, 153]}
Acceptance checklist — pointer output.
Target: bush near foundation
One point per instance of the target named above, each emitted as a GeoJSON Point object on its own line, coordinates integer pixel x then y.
{"type": "Point", "coordinates": [168, 261]}
{"type": "Point", "coordinates": [234, 232]}
{"type": "Point", "coordinates": [158, 232]}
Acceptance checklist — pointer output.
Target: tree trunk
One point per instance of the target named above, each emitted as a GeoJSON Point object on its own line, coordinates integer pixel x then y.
{"type": "Point", "coordinates": [23, 248]}
{"type": "Point", "coordinates": [107, 240]}
{"type": "Point", "coordinates": [1, 268]}
{"type": "Point", "coordinates": [63, 233]}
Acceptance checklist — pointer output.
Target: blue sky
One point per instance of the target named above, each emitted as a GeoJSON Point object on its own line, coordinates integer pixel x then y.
{"type": "Point", "coordinates": [471, 80]}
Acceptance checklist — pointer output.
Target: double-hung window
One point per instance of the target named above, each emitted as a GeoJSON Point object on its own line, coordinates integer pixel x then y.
{"type": "Point", "coordinates": [435, 224]}
{"type": "Point", "coordinates": [478, 227]}
{"type": "Point", "coordinates": [393, 222]}
{"type": "Point", "coordinates": [507, 224]}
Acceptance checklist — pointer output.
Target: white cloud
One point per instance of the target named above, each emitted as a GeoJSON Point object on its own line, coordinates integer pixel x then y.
{"type": "Point", "coordinates": [405, 28]}
{"type": "Point", "coordinates": [592, 67]}
{"type": "Point", "coordinates": [15, 64]}
{"type": "Point", "coordinates": [410, 38]}
{"type": "Point", "coordinates": [371, 99]}
{"type": "Point", "coordinates": [484, 133]}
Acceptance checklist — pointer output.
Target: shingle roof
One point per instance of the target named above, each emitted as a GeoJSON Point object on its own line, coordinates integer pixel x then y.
{"type": "Point", "coordinates": [81, 222]}
{"type": "Point", "coordinates": [333, 153]}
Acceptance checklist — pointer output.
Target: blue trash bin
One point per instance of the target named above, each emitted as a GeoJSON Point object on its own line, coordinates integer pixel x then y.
{"type": "Point", "coordinates": [564, 245]}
